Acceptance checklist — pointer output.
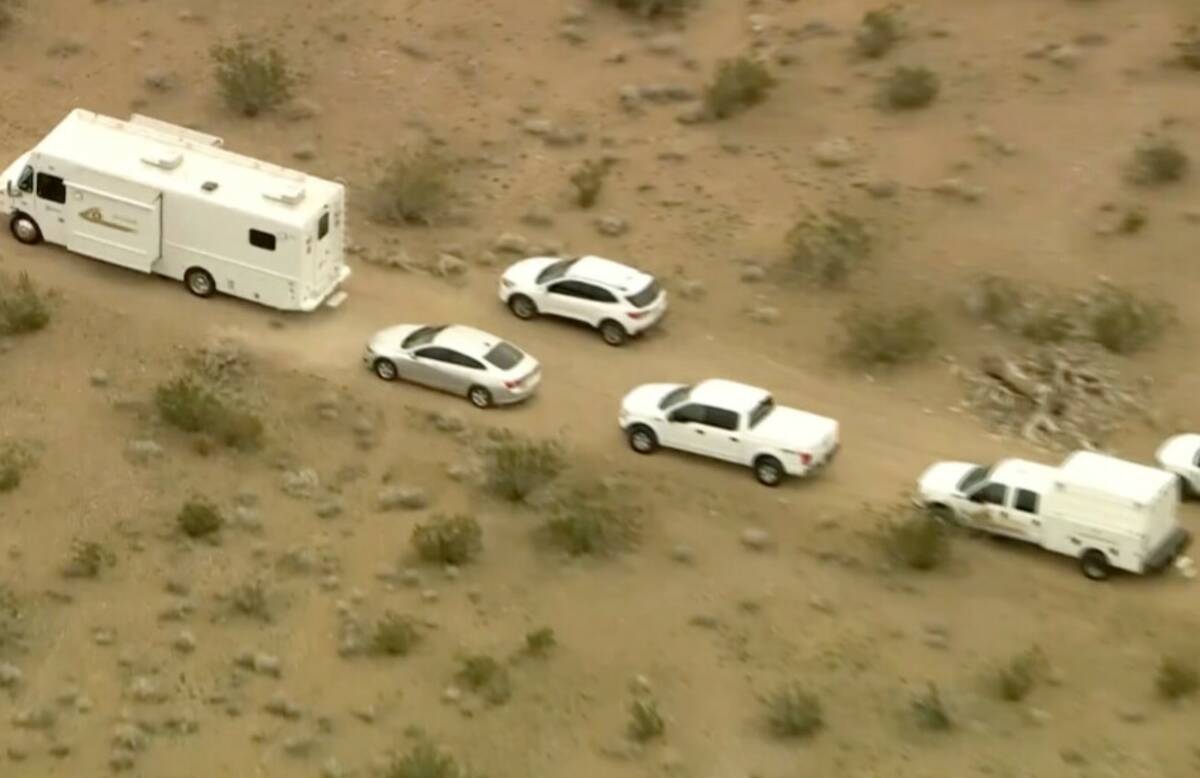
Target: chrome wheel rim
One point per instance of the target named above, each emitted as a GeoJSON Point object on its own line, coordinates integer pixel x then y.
{"type": "Point", "coordinates": [200, 284]}
{"type": "Point", "coordinates": [26, 230]}
{"type": "Point", "coordinates": [768, 474]}
{"type": "Point", "coordinates": [479, 398]}
{"type": "Point", "coordinates": [611, 335]}
{"type": "Point", "coordinates": [385, 370]}
{"type": "Point", "coordinates": [522, 308]}
{"type": "Point", "coordinates": [642, 442]}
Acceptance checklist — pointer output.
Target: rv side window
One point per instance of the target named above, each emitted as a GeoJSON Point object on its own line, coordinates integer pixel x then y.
{"type": "Point", "coordinates": [1026, 501]}
{"type": "Point", "coordinates": [51, 188]}
{"type": "Point", "coordinates": [262, 240]}
{"type": "Point", "coordinates": [323, 226]}
{"type": "Point", "coordinates": [993, 494]}
{"type": "Point", "coordinates": [25, 182]}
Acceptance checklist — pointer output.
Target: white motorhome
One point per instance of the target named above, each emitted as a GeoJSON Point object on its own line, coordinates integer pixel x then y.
{"type": "Point", "coordinates": [1106, 512]}
{"type": "Point", "coordinates": [159, 198]}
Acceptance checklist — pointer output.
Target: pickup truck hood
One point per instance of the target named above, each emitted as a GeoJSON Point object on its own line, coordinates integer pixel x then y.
{"type": "Point", "coordinates": [941, 479]}
{"type": "Point", "coordinates": [643, 400]}
{"type": "Point", "coordinates": [1178, 450]}
{"type": "Point", "coordinates": [790, 428]}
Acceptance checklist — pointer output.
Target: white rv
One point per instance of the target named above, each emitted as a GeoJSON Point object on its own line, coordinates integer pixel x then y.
{"type": "Point", "coordinates": [164, 199]}
{"type": "Point", "coordinates": [1106, 512]}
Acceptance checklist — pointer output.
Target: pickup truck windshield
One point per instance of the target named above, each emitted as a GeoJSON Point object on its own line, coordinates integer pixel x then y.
{"type": "Point", "coordinates": [674, 397]}
{"type": "Point", "coordinates": [973, 478]}
{"type": "Point", "coordinates": [761, 411]}
{"type": "Point", "coordinates": [422, 337]}
{"type": "Point", "coordinates": [555, 271]}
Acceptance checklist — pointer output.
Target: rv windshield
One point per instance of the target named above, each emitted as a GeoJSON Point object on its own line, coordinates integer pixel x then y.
{"type": "Point", "coordinates": [973, 478]}
{"type": "Point", "coordinates": [422, 337]}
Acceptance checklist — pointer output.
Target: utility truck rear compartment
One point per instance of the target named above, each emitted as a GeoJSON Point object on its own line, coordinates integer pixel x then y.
{"type": "Point", "coordinates": [154, 197]}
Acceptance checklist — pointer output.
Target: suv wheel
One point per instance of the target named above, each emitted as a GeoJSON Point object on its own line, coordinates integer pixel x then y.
{"type": "Point", "coordinates": [613, 333]}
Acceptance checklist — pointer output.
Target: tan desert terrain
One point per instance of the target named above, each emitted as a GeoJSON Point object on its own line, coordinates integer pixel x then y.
{"type": "Point", "coordinates": [172, 657]}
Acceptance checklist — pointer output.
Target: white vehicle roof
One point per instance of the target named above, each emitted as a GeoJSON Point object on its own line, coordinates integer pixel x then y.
{"type": "Point", "coordinates": [466, 340]}
{"type": "Point", "coordinates": [608, 272]}
{"type": "Point", "coordinates": [1135, 482]}
{"type": "Point", "coordinates": [1023, 474]}
{"type": "Point", "coordinates": [174, 159]}
{"type": "Point", "coordinates": [730, 395]}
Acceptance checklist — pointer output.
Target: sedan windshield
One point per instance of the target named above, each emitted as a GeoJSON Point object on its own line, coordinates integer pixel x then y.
{"type": "Point", "coordinates": [555, 271]}
{"type": "Point", "coordinates": [422, 337]}
{"type": "Point", "coordinates": [973, 478]}
{"type": "Point", "coordinates": [674, 397]}
{"type": "Point", "coordinates": [648, 295]}
{"type": "Point", "coordinates": [504, 356]}
{"type": "Point", "coordinates": [761, 411]}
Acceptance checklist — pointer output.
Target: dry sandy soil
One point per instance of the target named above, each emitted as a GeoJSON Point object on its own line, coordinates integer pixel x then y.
{"type": "Point", "coordinates": [109, 680]}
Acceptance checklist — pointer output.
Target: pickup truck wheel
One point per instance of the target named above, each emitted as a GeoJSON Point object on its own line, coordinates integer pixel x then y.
{"type": "Point", "coordinates": [522, 307]}
{"type": "Point", "coordinates": [768, 471]}
{"type": "Point", "coordinates": [385, 369]}
{"type": "Point", "coordinates": [613, 333]}
{"type": "Point", "coordinates": [642, 439]}
{"type": "Point", "coordinates": [199, 282]}
{"type": "Point", "coordinates": [1094, 564]}
{"type": "Point", "coordinates": [25, 229]}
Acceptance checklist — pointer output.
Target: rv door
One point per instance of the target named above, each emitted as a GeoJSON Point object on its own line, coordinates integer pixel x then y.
{"type": "Point", "coordinates": [124, 229]}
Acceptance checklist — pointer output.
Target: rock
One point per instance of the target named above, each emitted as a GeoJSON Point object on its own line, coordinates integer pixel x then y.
{"type": "Point", "coordinates": [611, 226]}
{"type": "Point", "coordinates": [1132, 715]}
{"type": "Point", "coordinates": [1038, 716]}
{"type": "Point", "coordinates": [763, 314]}
{"type": "Point", "coordinates": [819, 603]}
{"type": "Point", "coordinates": [448, 422]}
{"type": "Point", "coordinates": [664, 45]}
{"type": "Point", "coordinates": [449, 266]}
{"type": "Point", "coordinates": [298, 746]}
{"type": "Point", "coordinates": [958, 189]}
{"type": "Point", "coordinates": [98, 378]}
{"type": "Point", "coordinates": [129, 737]}
{"type": "Point", "coordinates": [882, 188]}
{"type": "Point", "coordinates": [511, 243]}
{"type": "Point", "coordinates": [301, 109]}
{"type": "Point", "coordinates": [640, 685]}
{"type": "Point", "coordinates": [332, 768]}
{"type": "Point", "coordinates": [142, 452]}
{"type": "Point", "coordinates": [143, 688]}
{"type": "Point", "coordinates": [572, 33]}
{"type": "Point", "coordinates": [537, 217]}
{"type": "Point", "coordinates": [451, 695]}
{"type": "Point", "coordinates": [697, 114]}
{"type": "Point", "coordinates": [267, 664]}
{"type": "Point", "coordinates": [834, 152]}
{"type": "Point", "coordinates": [301, 484]}
{"type": "Point", "coordinates": [683, 554]}
{"type": "Point", "coordinates": [538, 127]}
{"type": "Point", "coordinates": [282, 707]}
{"type": "Point", "coordinates": [10, 675]}
{"type": "Point", "coordinates": [331, 508]}
{"type": "Point", "coordinates": [756, 539]}
{"type": "Point", "coordinates": [565, 136]}
{"type": "Point", "coordinates": [630, 97]}
{"type": "Point", "coordinates": [429, 595]}
{"type": "Point", "coordinates": [407, 498]}
{"type": "Point", "coordinates": [121, 760]}
{"type": "Point", "coordinates": [752, 273]}
{"type": "Point", "coordinates": [40, 717]}
{"type": "Point", "coordinates": [185, 642]}
{"type": "Point", "coordinates": [304, 152]}
{"type": "Point", "coordinates": [1064, 55]}
{"type": "Point", "coordinates": [692, 289]}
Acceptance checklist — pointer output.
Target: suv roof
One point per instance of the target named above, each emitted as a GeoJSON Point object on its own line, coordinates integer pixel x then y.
{"type": "Point", "coordinates": [607, 272]}
{"type": "Point", "coordinates": [728, 394]}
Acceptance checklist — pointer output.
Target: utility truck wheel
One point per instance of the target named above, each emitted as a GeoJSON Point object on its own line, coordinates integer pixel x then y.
{"type": "Point", "coordinates": [25, 229]}
{"type": "Point", "coordinates": [199, 282]}
{"type": "Point", "coordinates": [522, 307]}
{"type": "Point", "coordinates": [768, 471]}
{"type": "Point", "coordinates": [642, 439]}
{"type": "Point", "coordinates": [613, 333]}
{"type": "Point", "coordinates": [480, 397]}
{"type": "Point", "coordinates": [1094, 564]}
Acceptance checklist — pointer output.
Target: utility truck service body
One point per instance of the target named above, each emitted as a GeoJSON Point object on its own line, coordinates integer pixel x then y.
{"type": "Point", "coordinates": [163, 199]}
{"type": "Point", "coordinates": [1106, 512]}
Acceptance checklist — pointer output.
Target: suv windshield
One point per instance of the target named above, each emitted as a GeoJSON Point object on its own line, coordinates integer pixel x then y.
{"type": "Point", "coordinates": [504, 356]}
{"type": "Point", "coordinates": [422, 337]}
{"type": "Point", "coordinates": [761, 411]}
{"type": "Point", "coordinates": [555, 271]}
{"type": "Point", "coordinates": [674, 397]}
{"type": "Point", "coordinates": [646, 296]}
{"type": "Point", "coordinates": [972, 479]}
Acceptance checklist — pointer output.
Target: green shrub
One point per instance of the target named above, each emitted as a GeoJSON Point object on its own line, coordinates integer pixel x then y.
{"type": "Point", "coordinates": [486, 677]}
{"type": "Point", "coordinates": [877, 34]}
{"type": "Point", "coordinates": [930, 712]}
{"type": "Point", "coordinates": [645, 722]}
{"type": "Point", "coordinates": [188, 405]}
{"type": "Point", "coordinates": [1122, 322]}
{"type": "Point", "coordinates": [250, 599]}
{"type": "Point", "coordinates": [251, 81]}
{"type": "Point", "coordinates": [588, 180]}
{"type": "Point", "coordinates": [826, 250]}
{"type": "Point", "coordinates": [794, 712]}
{"type": "Point", "coordinates": [652, 9]}
{"type": "Point", "coordinates": [884, 335]}
{"type": "Point", "coordinates": [1177, 678]}
{"type": "Point", "coordinates": [591, 518]}
{"type": "Point", "coordinates": [15, 459]}
{"type": "Point", "coordinates": [914, 538]}
{"type": "Point", "coordinates": [395, 635]}
{"type": "Point", "coordinates": [87, 560]}
{"type": "Point", "coordinates": [451, 540]}
{"type": "Point", "coordinates": [909, 88]}
{"type": "Point", "coordinates": [12, 620]}
{"type": "Point", "coordinates": [1158, 161]}
{"type": "Point", "coordinates": [23, 309]}
{"type": "Point", "coordinates": [739, 84]}
{"type": "Point", "coordinates": [413, 189]}
{"type": "Point", "coordinates": [425, 760]}
{"type": "Point", "coordinates": [199, 518]}
{"type": "Point", "coordinates": [539, 642]}
{"type": "Point", "coordinates": [517, 467]}
{"type": "Point", "coordinates": [1015, 680]}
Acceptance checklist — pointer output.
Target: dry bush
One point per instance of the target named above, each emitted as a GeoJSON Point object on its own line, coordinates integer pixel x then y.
{"type": "Point", "coordinates": [188, 405]}
{"type": "Point", "coordinates": [588, 180]}
{"type": "Point", "coordinates": [739, 84]}
{"type": "Point", "coordinates": [413, 189]}
{"type": "Point", "coordinates": [827, 249]}
{"type": "Point", "coordinates": [1187, 48]}
{"type": "Point", "coordinates": [540, 642]}
{"type": "Point", "coordinates": [199, 518]}
{"type": "Point", "coordinates": [592, 517]}
{"type": "Point", "coordinates": [450, 540]}
{"type": "Point", "coordinates": [794, 712]}
{"type": "Point", "coordinates": [886, 335]}
{"type": "Point", "coordinates": [15, 460]}
{"type": "Point", "coordinates": [12, 620]}
{"type": "Point", "coordinates": [395, 635]}
{"type": "Point", "coordinates": [910, 88]}
{"type": "Point", "coordinates": [87, 560]}
{"type": "Point", "coordinates": [486, 677]}
{"type": "Point", "coordinates": [250, 599]}
{"type": "Point", "coordinates": [1158, 161]}
{"type": "Point", "coordinates": [645, 722]}
{"type": "Point", "coordinates": [251, 81]}
{"type": "Point", "coordinates": [7, 18]}
{"type": "Point", "coordinates": [23, 308]}
{"type": "Point", "coordinates": [930, 711]}
{"type": "Point", "coordinates": [652, 9]}
{"type": "Point", "coordinates": [424, 760]}
{"type": "Point", "coordinates": [878, 33]}
{"type": "Point", "coordinates": [1177, 678]}
{"type": "Point", "coordinates": [913, 537]}
{"type": "Point", "coordinates": [1016, 679]}
{"type": "Point", "coordinates": [515, 467]}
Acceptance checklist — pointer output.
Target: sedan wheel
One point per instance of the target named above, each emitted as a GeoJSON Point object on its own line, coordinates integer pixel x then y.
{"type": "Point", "coordinates": [643, 440]}
{"type": "Point", "coordinates": [479, 397]}
{"type": "Point", "coordinates": [386, 369]}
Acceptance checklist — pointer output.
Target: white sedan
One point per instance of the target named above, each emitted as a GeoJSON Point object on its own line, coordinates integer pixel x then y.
{"type": "Point", "coordinates": [1180, 454]}
{"type": "Point", "coordinates": [618, 300]}
{"type": "Point", "coordinates": [730, 421]}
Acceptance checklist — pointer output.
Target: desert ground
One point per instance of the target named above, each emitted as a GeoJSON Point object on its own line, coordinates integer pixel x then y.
{"type": "Point", "coordinates": [128, 647]}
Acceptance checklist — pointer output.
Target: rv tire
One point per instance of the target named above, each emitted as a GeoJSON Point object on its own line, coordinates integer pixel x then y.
{"type": "Point", "coordinates": [199, 282]}
{"type": "Point", "coordinates": [1094, 564]}
{"type": "Point", "coordinates": [25, 229]}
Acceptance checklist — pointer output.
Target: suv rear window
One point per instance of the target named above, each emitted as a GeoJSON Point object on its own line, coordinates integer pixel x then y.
{"type": "Point", "coordinates": [504, 356]}
{"type": "Point", "coordinates": [646, 296]}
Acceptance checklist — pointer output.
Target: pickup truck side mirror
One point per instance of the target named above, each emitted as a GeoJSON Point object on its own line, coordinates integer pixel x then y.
{"type": "Point", "coordinates": [10, 188]}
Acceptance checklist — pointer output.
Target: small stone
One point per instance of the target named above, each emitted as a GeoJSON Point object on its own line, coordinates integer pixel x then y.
{"type": "Point", "coordinates": [10, 675]}
{"type": "Point", "coordinates": [298, 746]}
{"type": "Point", "coordinates": [407, 498]}
{"type": "Point", "coordinates": [819, 603]}
{"type": "Point", "coordinates": [144, 689]}
{"type": "Point", "coordinates": [1038, 716]}
{"type": "Point", "coordinates": [451, 695]}
{"type": "Point", "coordinates": [300, 109]}
{"type": "Point", "coordinates": [752, 274]}
{"type": "Point", "coordinates": [511, 243]}
{"type": "Point", "coordinates": [332, 768]}
{"type": "Point", "coordinates": [429, 595]}
{"type": "Point", "coordinates": [142, 452]}
{"type": "Point", "coordinates": [301, 484]}
{"type": "Point", "coordinates": [664, 45]}
{"type": "Point", "coordinates": [882, 189]}
{"type": "Point", "coordinates": [121, 760]}
{"type": "Point", "coordinates": [449, 266]}
{"type": "Point", "coordinates": [1064, 55]}
{"type": "Point", "coordinates": [683, 554]}
{"type": "Point", "coordinates": [129, 737]}
{"type": "Point", "coordinates": [959, 189]}
{"type": "Point", "coordinates": [1132, 715]}
{"type": "Point", "coordinates": [692, 290]}
{"type": "Point", "coordinates": [537, 217]}
{"type": "Point", "coordinates": [304, 152]}
{"type": "Point", "coordinates": [611, 226]}
{"type": "Point", "coordinates": [834, 152]}
{"type": "Point", "coordinates": [98, 378]}
{"type": "Point", "coordinates": [330, 508]}
{"type": "Point", "coordinates": [282, 707]}
{"type": "Point", "coordinates": [34, 718]}
{"type": "Point", "coordinates": [267, 664]}
{"type": "Point", "coordinates": [640, 684]}
{"type": "Point", "coordinates": [185, 642]}
{"type": "Point", "coordinates": [756, 539]}
{"type": "Point", "coordinates": [764, 314]}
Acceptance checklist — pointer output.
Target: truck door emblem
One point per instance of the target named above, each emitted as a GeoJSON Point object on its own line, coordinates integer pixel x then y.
{"type": "Point", "coordinates": [96, 216]}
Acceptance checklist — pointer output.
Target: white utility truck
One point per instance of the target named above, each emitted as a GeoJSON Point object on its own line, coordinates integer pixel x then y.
{"type": "Point", "coordinates": [159, 198]}
{"type": "Point", "coordinates": [1106, 512]}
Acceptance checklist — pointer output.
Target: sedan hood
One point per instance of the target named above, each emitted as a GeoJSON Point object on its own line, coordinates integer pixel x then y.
{"type": "Point", "coordinates": [1178, 450]}
{"type": "Point", "coordinates": [525, 271]}
{"type": "Point", "coordinates": [644, 400]}
{"type": "Point", "coordinates": [388, 341]}
{"type": "Point", "coordinates": [941, 479]}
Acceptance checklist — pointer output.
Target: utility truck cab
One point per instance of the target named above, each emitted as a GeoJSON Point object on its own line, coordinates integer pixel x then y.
{"type": "Point", "coordinates": [159, 198]}
{"type": "Point", "coordinates": [1106, 512]}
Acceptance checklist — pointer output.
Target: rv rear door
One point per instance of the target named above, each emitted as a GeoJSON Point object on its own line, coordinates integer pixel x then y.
{"type": "Point", "coordinates": [124, 229]}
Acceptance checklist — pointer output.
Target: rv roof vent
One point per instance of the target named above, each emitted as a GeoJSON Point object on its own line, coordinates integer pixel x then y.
{"type": "Point", "coordinates": [164, 159]}
{"type": "Point", "coordinates": [209, 186]}
{"type": "Point", "coordinates": [288, 195]}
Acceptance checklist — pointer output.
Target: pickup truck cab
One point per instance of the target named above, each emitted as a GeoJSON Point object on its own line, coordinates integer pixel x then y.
{"type": "Point", "coordinates": [1180, 454]}
{"type": "Point", "coordinates": [730, 421]}
{"type": "Point", "coordinates": [1106, 512]}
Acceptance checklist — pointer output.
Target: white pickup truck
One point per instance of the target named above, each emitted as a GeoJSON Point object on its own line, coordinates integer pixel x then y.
{"type": "Point", "coordinates": [1106, 512]}
{"type": "Point", "coordinates": [730, 421]}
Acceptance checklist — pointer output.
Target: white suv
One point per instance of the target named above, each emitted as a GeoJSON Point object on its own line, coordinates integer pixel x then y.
{"type": "Point", "coordinates": [616, 299]}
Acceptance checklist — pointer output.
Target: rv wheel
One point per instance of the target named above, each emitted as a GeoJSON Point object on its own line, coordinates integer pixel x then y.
{"type": "Point", "coordinates": [25, 229]}
{"type": "Point", "coordinates": [199, 282]}
{"type": "Point", "coordinates": [1094, 565]}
